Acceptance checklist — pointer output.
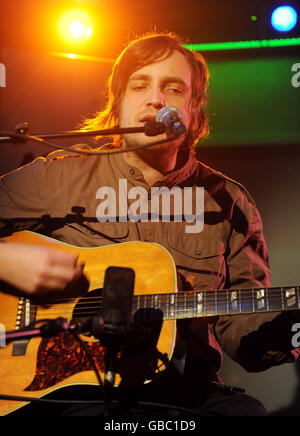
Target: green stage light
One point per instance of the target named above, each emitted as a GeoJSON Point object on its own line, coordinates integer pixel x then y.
{"type": "Point", "coordinates": [243, 45]}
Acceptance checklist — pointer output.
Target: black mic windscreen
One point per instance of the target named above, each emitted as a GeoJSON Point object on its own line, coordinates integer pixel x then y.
{"type": "Point", "coordinates": [118, 295]}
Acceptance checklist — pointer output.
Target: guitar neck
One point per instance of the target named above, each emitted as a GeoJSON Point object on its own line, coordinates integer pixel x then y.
{"type": "Point", "coordinates": [194, 304]}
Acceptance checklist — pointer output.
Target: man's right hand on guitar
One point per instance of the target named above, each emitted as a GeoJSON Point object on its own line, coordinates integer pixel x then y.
{"type": "Point", "coordinates": [38, 270]}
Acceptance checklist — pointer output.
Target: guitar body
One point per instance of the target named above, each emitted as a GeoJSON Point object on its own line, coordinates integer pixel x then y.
{"type": "Point", "coordinates": [40, 366]}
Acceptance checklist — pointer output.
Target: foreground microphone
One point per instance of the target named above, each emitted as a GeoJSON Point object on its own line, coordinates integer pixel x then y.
{"type": "Point", "coordinates": [112, 326]}
{"type": "Point", "coordinates": [115, 317]}
{"type": "Point", "coordinates": [172, 119]}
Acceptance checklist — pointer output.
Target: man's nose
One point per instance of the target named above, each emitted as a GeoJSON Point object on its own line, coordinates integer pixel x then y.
{"type": "Point", "coordinates": [156, 98]}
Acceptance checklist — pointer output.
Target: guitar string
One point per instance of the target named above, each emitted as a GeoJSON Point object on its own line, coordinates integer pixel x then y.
{"type": "Point", "coordinates": [205, 311]}
{"type": "Point", "coordinates": [163, 299]}
{"type": "Point", "coordinates": [214, 309]}
{"type": "Point", "coordinates": [176, 314]}
{"type": "Point", "coordinates": [211, 303]}
{"type": "Point", "coordinates": [189, 295]}
{"type": "Point", "coordinates": [186, 295]}
{"type": "Point", "coordinates": [208, 306]}
{"type": "Point", "coordinates": [180, 314]}
{"type": "Point", "coordinates": [210, 296]}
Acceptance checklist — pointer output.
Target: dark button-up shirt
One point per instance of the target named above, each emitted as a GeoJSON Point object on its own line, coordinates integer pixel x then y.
{"type": "Point", "coordinates": [61, 196]}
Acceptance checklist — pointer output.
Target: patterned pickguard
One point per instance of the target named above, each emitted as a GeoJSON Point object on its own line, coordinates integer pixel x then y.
{"type": "Point", "coordinates": [62, 356]}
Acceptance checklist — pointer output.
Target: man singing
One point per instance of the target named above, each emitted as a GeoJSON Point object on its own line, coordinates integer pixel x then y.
{"type": "Point", "coordinates": [227, 252]}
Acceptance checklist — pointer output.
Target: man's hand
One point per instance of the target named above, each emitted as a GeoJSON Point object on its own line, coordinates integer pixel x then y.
{"type": "Point", "coordinates": [37, 270]}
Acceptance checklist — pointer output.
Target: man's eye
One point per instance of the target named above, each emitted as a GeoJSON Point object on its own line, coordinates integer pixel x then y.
{"type": "Point", "coordinates": [138, 87]}
{"type": "Point", "coordinates": [175, 90]}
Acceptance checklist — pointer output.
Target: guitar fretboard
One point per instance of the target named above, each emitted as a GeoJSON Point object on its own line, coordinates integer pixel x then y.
{"type": "Point", "coordinates": [222, 302]}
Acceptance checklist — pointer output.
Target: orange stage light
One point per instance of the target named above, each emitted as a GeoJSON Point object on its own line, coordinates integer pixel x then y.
{"type": "Point", "coordinates": [75, 26]}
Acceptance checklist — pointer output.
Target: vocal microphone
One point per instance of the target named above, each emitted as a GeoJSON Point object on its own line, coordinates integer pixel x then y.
{"type": "Point", "coordinates": [172, 119]}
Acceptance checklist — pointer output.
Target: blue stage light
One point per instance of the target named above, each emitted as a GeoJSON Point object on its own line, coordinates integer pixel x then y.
{"type": "Point", "coordinates": [284, 18]}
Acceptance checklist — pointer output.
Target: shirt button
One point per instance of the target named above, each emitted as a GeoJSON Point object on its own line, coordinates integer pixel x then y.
{"type": "Point", "coordinates": [197, 252]}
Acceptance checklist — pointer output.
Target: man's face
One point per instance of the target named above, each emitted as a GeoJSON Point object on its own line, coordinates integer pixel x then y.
{"type": "Point", "coordinates": [163, 83]}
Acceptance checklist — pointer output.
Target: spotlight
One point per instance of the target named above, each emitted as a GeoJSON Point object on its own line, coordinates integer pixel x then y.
{"type": "Point", "coordinates": [75, 26]}
{"type": "Point", "coordinates": [284, 18]}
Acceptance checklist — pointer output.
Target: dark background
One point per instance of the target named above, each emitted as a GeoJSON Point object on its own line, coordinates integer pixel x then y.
{"type": "Point", "coordinates": [253, 108]}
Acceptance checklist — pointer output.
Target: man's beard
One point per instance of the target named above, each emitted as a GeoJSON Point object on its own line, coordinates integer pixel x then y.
{"type": "Point", "coordinates": [151, 155]}
{"type": "Point", "coordinates": [139, 139]}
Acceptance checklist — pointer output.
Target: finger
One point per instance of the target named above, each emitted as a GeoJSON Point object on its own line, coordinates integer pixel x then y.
{"type": "Point", "coordinates": [52, 285]}
{"type": "Point", "coordinates": [64, 273]}
{"type": "Point", "coordinates": [58, 257]}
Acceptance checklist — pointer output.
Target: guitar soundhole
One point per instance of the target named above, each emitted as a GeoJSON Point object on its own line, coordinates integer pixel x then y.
{"type": "Point", "coordinates": [87, 307]}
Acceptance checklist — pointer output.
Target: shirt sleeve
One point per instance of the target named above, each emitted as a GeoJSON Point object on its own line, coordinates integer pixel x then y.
{"type": "Point", "coordinates": [21, 198]}
{"type": "Point", "coordinates": [256, 341]}
{"type": "Point", "coordinates": [29, 194]}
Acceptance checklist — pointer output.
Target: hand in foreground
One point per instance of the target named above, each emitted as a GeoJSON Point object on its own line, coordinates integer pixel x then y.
{"type": "Point", "coordinates": [38, 270]}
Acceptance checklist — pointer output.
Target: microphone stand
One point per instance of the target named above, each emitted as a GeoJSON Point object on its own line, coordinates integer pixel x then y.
{"type": "Point", "coordinates": [110, 337]}
{"type": "Point", "coordinates": [111, 361]}
{"type": "Point", "coordinates": [48, 329]}
{"type": "Point", "coordinates": [150, 128]}
{"type": "Point", "coordinates": [53, 327]}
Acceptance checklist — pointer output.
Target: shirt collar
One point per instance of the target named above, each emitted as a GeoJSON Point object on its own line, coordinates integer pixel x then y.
{"type": "Point", "coordinates": [174, 178]}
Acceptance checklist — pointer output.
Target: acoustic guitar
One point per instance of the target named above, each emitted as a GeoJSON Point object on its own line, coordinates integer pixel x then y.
{"type": "Point", "coordinates": [33, 368]}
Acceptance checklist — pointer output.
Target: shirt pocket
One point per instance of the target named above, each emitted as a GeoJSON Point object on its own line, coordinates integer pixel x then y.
{"type": "Point", "coordinates": [200, 260]}
{"type": "Point", "coordinates": [100, 234]}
